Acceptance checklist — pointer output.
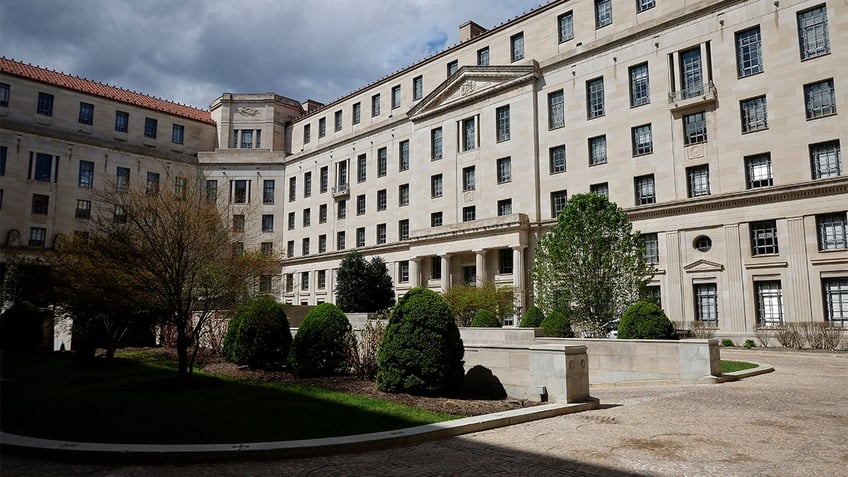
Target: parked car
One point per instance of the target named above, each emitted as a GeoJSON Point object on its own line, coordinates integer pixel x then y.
{"type": "Point", "coordinates": [611, 329]}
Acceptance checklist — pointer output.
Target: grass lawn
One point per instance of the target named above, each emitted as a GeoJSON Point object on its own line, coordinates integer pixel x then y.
{"type": "Point", "coordinates": [731, 366]}
{"type": "Point", "coordinates": [136, 400]}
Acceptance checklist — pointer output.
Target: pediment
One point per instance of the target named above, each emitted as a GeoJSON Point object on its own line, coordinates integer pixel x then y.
{"type": "Point", "coordinates": [470, 84]}
{"type": "Point", "coordinates": [703, 266]}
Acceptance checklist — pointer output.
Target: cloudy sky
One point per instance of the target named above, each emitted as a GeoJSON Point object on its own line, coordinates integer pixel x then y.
{"type": "Point", "coordinates": [192, 51]}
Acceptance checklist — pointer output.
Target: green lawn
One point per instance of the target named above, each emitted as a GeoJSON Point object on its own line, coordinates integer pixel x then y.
{"type": "Point", "coordinates": [136, 400]}
{"type": "Point", "coordinates": [731, 366]}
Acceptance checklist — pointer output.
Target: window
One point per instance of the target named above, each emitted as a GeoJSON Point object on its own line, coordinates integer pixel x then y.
{"type": "Point", "coordinates": [403, 195]}
{"type": "Point", "coordinates": [119, 215]}
{"type": "Point", "coordinates": [290, 248]}
{"type": "Point", "coordinates": [645, 191]}
{"type": "Point", "coordinates": [469, 213]}
{"type": "Point", "coordinates": [595, 98]}
{"type": "Point", "coordinates": [212, 190]}
{"type": "Point", "coordinates": [265, 284]}
{"type": "Point", "coordinates": [832, 231]}
{"type": "Point", "coordinates": [702, 243]}
{"type": "Point", "coordinates": [820, 99]}
{"type": "Point", "coordinates": [502, 115]}
{"type": "Point", "coordinates": [653, 294]}
{"type": "Point", "coordinates": [469, 135]}
{"type": "Point", "coordinates": [322, 279]}
{"type": "Point", "coordinates": [238, 249]}
{"type": "Point", "coordinates": [601, 188]}
{"type": "Point", "coordinates": [304, 281]}
{"type": "Point", "coordinates": [45, 104]}
{"type": "Point", "coordinates": [706, 304]}
{"type": "Point", "coordinates": [504, 166]}
{"type": "Point", "coordinates": [395, 97]}
{"type": "Point", "coordinates": [468, 178]}
{"type": "Point", "coordinates": [291, 220]}
{"type": "Point", "coordinates": [150, 126]}
{"type": "Point", "coordinates": [640, 90]}
{"type": "Point", "coordinates": [469, 274]}
{"type": "Point", "coordinates": [749, 57]}
{"type": "Point", "coordinates": [436, 268]}
{"type": "Point", "coordinates": [340, 240]}
{"type": "Point", "coordinates": [382, 200]}
{"type": "Point", "coordinates": [292, 188]}
{"type": "Point", "coordinates": [694, 128]}
{"type": "Point", "coordinates": [516, 44]}
{"type": "Point", "coordinates": [83, 210]}
{"type": "Point", "coordinates": [505, 260]}
{"type": "Point", "coordinates": [436, 144]}
{"type": "Point", "coordinates": [642, 5]}
{"type": "Point", "coordinates": [557, 159]}
{"type": "Point", "coordinates": [597, 150]}
{"type": "Point", "coordinates": [122, 180]}
{"type": "Point", "coordinates": [289, 279]}
{"type": "Point", "coordinates": [4, 95]}
{"type": "Point", "coordinates": [435, 219]}
{"type": "Point", "coordinates": [754, 117]}
{"type": "Point", "coordinates": [403, 156]}
{"type": "Point", "coordinates": [86, 113]}
{"type": "Point", "coordinates": [436, 186]}
{"type": "Point", "coordinates": [177, 134]}
{"type": "Point", "coordinates": [44, 167]}
{"type": "Point", "coordinates": [3, 152]}
{"type": "Point", "coordinates": [86, 174]}
{"type": "Point", "coordinates": [357, 112]}
{"type": "Point", "coordinates": [812, 33]}
{"type": "Point", "coordinates": [360, 237]}
{"type": "Point", "coordinates": [381, 233]}
{"type": "Point", "coordinates": [698, 180]}
{"type": "Point", "coordinates": [642, 140]}
{"type": "Point", "coordinates": [690, 73]}
{"type": "Point", "coordinates": [375, 105]}
{"type": "Point", "coordinates": [453, 66]}
{"type": "Point", "coordinates": [40, 203]}
{"type": "Point", "coordinates": [825, 159]}
{"type": "Point", "coordinates": [764, 238]}
{"type": "Point", "coordinates": [403, 271]}
{"type": "Point", "coordinates": [565, 27]}
{"type": "Point", "coordinates": [307, 133]}
{"type": "Point", "coordinates": [360, 204]}
{"type": "Point", "coordinates": [240, 191]}
{"type": "Point", "coordinates": [324, 179]}
{"type": "Point", "coordinates": [652, 248]}
{"type": "Point", "coordinates": [558, 201]}
{"type": "Point", "coordinates": [758, 171]}
{"type": "Point", "coordinates": [307, 217]}
{"type": "Point", "coordinates": [307, 184]}
{"type": "Point", "coordinates": [417, 88]}
{"type": "Point", "coordinates": [268, 186]}
{"type": "Point", "coordinates": [835, 292]}
{"type": "Point", "coordinates": [152, 182]}
{"type": "Point", "coordinates": [304, 246]}
{"type": "Point", "coordinates": [769, 303]}
{"type": "Point", "coordinates": [266, 248]}
{"type": "Point", "coordinates": [403, 229]}
{"type": "Point", "coordinates": [246, 139]}
{"type": "Point", "coordinates": [504, 207]}
{"type": "Point", "coordinates": [36, 236]}
{"type": "Point", "coordinates": [382, 162]}
{"type": "Point", "coordinates": [122, 121]}
{"type": "Point", "coordinates": [238, 223]}
{"type": "Point", "coordinates": [361, 168]}
{"type": "Point", "coordinates": [322, 127]}
{"type": "Point", "coordinates": [322, 214]}
{"type": "Point", "coordinates": [556, 110]}
{"type": "Point", "coordinates": [341, 210]}
{"type": "Point", "coordinates": [603, 13]}
{"type": "Point", "coordinates": [483, 56]}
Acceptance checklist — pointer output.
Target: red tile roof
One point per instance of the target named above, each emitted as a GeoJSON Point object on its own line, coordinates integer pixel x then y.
{"type": "Point", "coordinates": [16, 68]}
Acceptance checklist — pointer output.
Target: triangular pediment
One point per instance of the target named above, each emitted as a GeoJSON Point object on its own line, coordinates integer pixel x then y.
{"type": "Point", "coordinates": [703, 266]}
{"type": "Point", "coordinates": [470, 84]}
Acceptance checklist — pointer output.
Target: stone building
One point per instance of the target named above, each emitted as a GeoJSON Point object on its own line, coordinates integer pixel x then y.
{"type": "Point", "coordinates": [713, 123]}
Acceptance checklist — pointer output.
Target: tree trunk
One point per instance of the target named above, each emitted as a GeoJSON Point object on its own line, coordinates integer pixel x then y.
{"type": "Point", "coordinates": [182, 354]}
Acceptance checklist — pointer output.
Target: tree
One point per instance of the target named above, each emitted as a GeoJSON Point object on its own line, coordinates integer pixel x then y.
{"type": "Point", "coordinates": [590, 264]}
{"type": "Point", "coordinates": [466, 300]}
{"type": "Point", "coordinates": [363, 286]}
{"type": "Point", "coordinates": [258, 334]}
{"type": "Point", "coordinates": [173, 246]}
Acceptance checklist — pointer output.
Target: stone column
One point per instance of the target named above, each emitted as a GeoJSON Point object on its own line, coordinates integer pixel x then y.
{"type": "Point", "coordinates": [740, 319]}
{"type": "Point", "coordinates": [446, 272]}
{"type": "Point", "coordinates": [413, 272]}
{"type": "Point", "coordinates": [798, 295]}
{"type": "Point", "coordinates": [480, 268]}
{"type": "Point", "coordinates": [518, 280]}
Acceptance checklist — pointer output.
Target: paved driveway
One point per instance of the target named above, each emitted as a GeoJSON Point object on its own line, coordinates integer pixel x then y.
{"type": "Point", "coordinates": [793, 422]}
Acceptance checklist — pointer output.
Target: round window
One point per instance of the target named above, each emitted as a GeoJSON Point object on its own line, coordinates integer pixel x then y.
{"type": "Point", "coordinates": [703, 243]}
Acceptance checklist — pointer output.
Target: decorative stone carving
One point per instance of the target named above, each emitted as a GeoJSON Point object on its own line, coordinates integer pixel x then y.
{"type": "Point", "coordinates": [245, 111]}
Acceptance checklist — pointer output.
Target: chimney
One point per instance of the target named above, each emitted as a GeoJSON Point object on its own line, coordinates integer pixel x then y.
{"type": "Point", "coordinates": [469, 30]}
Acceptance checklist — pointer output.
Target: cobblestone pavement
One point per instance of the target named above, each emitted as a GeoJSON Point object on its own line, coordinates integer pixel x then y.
{"type": "Point", "coordinates": [791, 422]}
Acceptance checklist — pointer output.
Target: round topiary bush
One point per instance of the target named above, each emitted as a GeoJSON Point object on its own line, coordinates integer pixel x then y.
{"type": "Point", "coordinates": [557, 325]}
{"type": "Point", "coordinates": [532, 318]}
{"type": "Point", "coordinates": [320, 347]}
{"type": "Point", "coordinates": [486, 319]}
{"type": "Point", "coordinates": [22, 328]}
{"type": "Point", "coordinates": [421, 351]}
{"type": "Point", "coordinates": [646, 320]}
{"type": "Point", "coordinates": [258, 335]}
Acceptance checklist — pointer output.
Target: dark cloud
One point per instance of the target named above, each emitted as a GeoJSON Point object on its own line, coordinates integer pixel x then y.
{"type": "Point", "coordinates": [191, 52]}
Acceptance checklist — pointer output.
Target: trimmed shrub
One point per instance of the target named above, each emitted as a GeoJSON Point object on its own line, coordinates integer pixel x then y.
{"type": "Point", "coordinates": [749, 343]}
{"type": "Point", "coordinates": [532, 318]}
{"type": "Point", "coordinates": [645, 320]}
{"type": "Point", "coordinates": [421, 351]}
{"type": "Point", "coordinates": [486, 319]}
{"type": "Point", "coordinates": [22, 328]}
{"type": "Point", "coordinates": [727, 342]}
{"type": "Point", "coordinates": [557, 325]}
{"type": "Point", "coordinates": [320, 347]}
{"type": "Point", "coordinates": [258, 335]}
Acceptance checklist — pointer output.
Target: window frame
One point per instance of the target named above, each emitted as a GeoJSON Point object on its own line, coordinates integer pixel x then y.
{"type": "Point", "coordinates": [749, 52]}
{"type": "Point", "coordinates": [642, 140]}
{"type": "Point", "coordinates": [565, 27]}
{"type": "Point", "coordinates": [832, 231]}
{"type": "Point", "coordinates": [640, 85]}
{"type": "Point", "coordinates": [698, 181]}
{"type": "Point", "coordinates": [753, 114]}
{"type": "Point", "coordinates": [516, 47]}
{"type": "Point", "coordinates": [645, 190]}
{"type": "Point", "coordinates": [819, 29]}
{"type": "Point", "coordinates": [764, 238]}
{"type": "Point", "coordinates": [831, 152]}
{"type": "Point", "coordinates": [603, 13]}
{"type": "Point", "coordinates": [502, 123]}
{"type": "Point", "coordinates": [820, 99]}
{"type": "Point", "coordinates": [44, 107]}
{"type": "Point", "coordinates": [504, 207]}
{"type": "Point", "coordinates": [758, 171]}
{"type": "Point", "coordinates": [598, 150]}
{"type": "Point", "coordinates": [503, 167]}
{"type": "Point", "coordinates": [86, 113]}
{"type": "Point", "coordinates": [595, 102]}
{"type": "Point", "coordinates": [553, 159]}
{"type": "Point", "coordinates": [151, 126]}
